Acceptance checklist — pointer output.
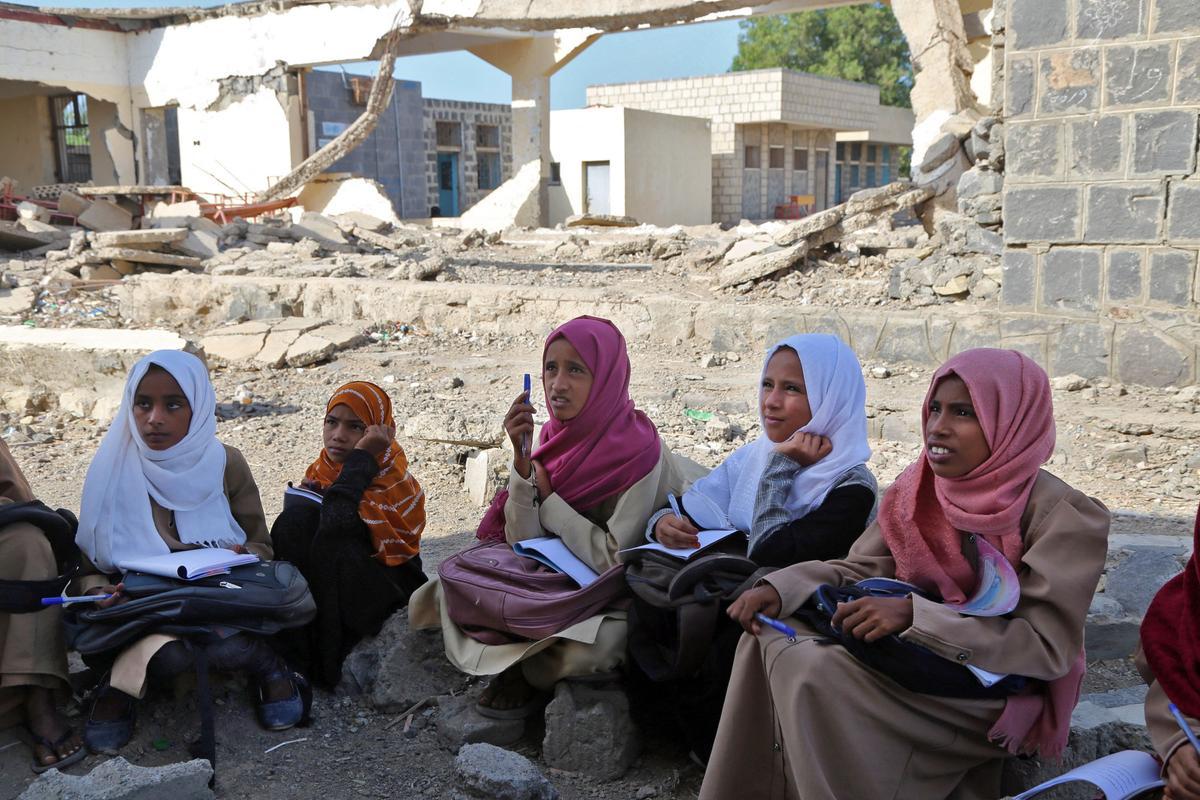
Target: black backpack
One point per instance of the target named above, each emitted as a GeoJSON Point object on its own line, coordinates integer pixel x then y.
{"type": "Point", "coordinates": [22, 597]}
{"type": "Point", "coordinates": [678, 606]}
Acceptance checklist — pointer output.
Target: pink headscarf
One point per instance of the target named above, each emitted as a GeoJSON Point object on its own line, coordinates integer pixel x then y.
{"type": "Point", "coordinates": [604, 450]}
{"type": "Point", "coordinates": [922, 518]}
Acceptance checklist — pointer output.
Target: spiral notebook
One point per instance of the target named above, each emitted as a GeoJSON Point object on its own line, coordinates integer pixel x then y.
{"type": "Point", "coordinates": [189, 565]}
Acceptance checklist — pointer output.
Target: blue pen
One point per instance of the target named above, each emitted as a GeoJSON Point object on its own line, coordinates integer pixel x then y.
{"type": "Point", "coordinates": [674, 505]}
{"type": "Point", "coordinates": [525, 437]}
{"type": "Point", "coordinates": [776, 624]}
{"type": "Point", "coordinates": [1183, 725]}
{"type": "Point", "coordinates": [63, 601]}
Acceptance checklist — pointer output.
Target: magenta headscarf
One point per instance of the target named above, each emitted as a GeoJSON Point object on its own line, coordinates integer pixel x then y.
{"type": "Point", "coordinates": [604, 450]}
{"type": "Point", "coordinates": [1011, 397]}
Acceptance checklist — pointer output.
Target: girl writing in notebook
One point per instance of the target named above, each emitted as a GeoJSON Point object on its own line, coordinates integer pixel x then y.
{"type": "Point", "coordinates": [359, 547]}
{"type": "Point", "coordinates": [807, 719]}
{"type": "Point", "coordinates": [1170, 663]}
{"type": "Point", "coordinates": [801, 491]}
{"type": "Point", "coordinates": [596, 473]}
{"type": "Point", "coordinates": [160, 482]}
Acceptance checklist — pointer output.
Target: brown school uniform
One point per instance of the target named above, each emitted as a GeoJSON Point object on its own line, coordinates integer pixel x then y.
{"type": "Point", "coordinates": [596, 644]}
{"type": "Point", "coordinates": [32, 649]}
{"type": "Point", "coordinates": [129, 670]}
{"type": "Point", "coordinates": [807, 721]}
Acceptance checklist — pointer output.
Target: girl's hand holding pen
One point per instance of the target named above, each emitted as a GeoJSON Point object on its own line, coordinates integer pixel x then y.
{"type": "Point", "coordinates": [676, 532]}
{"type": "Point", "coordinates": [518, 424]}
{"type": "Point", "coordinates": [117, 592]}
{"type": "Point", "coordinates": [759, 600]}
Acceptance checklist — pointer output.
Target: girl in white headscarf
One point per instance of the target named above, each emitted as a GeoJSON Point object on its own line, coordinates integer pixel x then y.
{"type": "Point", "coordinates": [801, 491]}
{"type": "Point", "coordinates": [160, 482]}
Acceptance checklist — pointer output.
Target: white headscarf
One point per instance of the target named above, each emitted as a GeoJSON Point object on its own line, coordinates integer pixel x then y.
{"type": "Point", "coordinates": [115, 521]}
{"type": "Point", "coordinates": [837, 397]}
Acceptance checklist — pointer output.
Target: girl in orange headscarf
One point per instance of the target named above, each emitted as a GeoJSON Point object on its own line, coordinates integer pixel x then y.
{"type": "Point", "coordinates": [356, 538]}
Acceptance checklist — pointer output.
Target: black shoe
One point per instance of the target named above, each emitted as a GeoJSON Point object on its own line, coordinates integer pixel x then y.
{"type": "Point", "coordinates": [109, 736]}
{"type": "Point", "coordinates": [279, 715]}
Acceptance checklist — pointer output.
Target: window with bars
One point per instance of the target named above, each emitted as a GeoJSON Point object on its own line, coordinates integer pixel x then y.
{"type": "Point", "coordinates": [489, 169]}
{"type": "Point", "coordinates": [72, 138]}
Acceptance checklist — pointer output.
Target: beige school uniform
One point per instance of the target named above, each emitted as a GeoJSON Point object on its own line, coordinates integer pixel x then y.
{"type": "Point", "coordinates": [32, 650]}
{"type": "Point", "coordinates": [1165, 734]}
{"type": "Point", "coordinates": [129, 670]}
{"type": "Point", "coordinates": [596, 644]}
{"type": "Point", "coordinates": [807, 721]}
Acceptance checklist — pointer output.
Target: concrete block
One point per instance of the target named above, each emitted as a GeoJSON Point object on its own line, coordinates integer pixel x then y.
{"type": "Point", "coordinates": [1175, 15]}
{"type": "Point", "coordinates": [589, 730]}
{"type": "Point", "coordinates": [1150, 358]}
{"type": "Point", "coordinates": [309, 348]}
{"type": "Point", "coordinates": [1037, 23]}
{"type": "Point", "coordinates": [117, 779]}
{"type": "Point", "coordinates": [1083, 349]}
{"type": "Point", "coordinates": [1034, 149]}
{"type": "Point", "coordinates": [1097, 147]}
{"type": "Point", "coordinates": [1183, 223]}
{"type": "Point", "coordinates": [458, 723]}
{"type": "Point", "coordinates": [1103, 19]}
{"type": "Point", "coordinates": [1125, 212]}
{"type": "Point", "coordinates": [1019, 98]}
{"type": "Point", "coordinates": [1164, 142]}
{"type": "Point", "coordinates": [1070, 81]}
{"type": "Point", "coordinates": [977, 182]}
{"type": "Point", "coordinates": [72, 204]}
{"type": "Point", "coordinates": [1187, 81]}
{"type": "Point", "coordinates": [136, 238]}
{"type": "Point", "coordinates": [180, 211]}
{"type": "Point", "coordinates": [236, 347]}
{"type": "Point", "coordinates": [939, 152]}
{"type": "Point", "coordinates": [103, 215]}
{"type": "Point", "coordinates": [1042, 214]}
{"type": "Point", "coordinates": [485, 772]}
{"type": "Point", "coordinates": [275, 347]}
{"type": "Point", "coordinates": [199, 244]}
{"type": "Point", "coordinates": [1171, 274]}
{"type": "Point", "coordinates": [1071, 279]}
{"type": "Point", "coordinates": [1137, 75]}
{"type": "Point", "coordinates": [1019, 279]}
{"type": "Point", "coordinates": [478, 480]}
{"type": "Point", "coordinates": [1124, 275]}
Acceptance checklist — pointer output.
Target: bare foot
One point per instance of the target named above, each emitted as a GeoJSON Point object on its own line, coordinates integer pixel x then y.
{"type": "Point", "coordinates": [47, 725]}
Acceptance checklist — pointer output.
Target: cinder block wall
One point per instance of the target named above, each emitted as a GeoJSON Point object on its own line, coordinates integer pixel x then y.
{"type": "Point", "coordinates": [468, 115]}
{"type": "Point", "coordinates": [1102, 193]}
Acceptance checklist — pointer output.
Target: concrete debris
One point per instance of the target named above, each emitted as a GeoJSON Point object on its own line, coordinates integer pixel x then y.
{"type": "Point", "coordinates": [104, 215]}
{"type": "Point", "coordinates": [487, 772]}
{"type": "Point", "coordinates": [399, 667]}
{"type": "Point", "coordinates": [460, 723]}
{"type": "Point", "coordinates": [290, 341]}
{"type": "Point", "coordinates": [589, 730]}
{"type": "Point", "coordinates": [600, 221]}
{"type": "Point", "coordinates": [117, 779]}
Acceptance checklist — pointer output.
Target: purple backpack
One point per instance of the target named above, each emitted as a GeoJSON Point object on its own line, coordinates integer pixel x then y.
{"type": "Point", "coordinates": [498, 597]}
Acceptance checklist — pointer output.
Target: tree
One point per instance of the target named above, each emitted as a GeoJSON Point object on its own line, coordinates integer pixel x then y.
{"type": "Point", "coordinates": [859, 43]}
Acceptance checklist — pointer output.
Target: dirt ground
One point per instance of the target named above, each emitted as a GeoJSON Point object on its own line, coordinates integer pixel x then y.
{"type": "Point", "coordinates": [353, 751]}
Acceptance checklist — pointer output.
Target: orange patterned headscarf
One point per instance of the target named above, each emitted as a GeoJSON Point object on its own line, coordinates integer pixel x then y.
{"type": "Point", "coordinates": [393, 506]}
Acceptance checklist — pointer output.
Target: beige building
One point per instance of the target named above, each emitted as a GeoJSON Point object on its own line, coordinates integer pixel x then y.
{"type": "Point", "coordinates": [653, 167]}
{"type": "Point", "coordinates": [776, 134]}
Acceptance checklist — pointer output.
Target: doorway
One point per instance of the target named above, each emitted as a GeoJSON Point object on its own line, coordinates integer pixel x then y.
{"type": "Point", "coordinates": [596, 188]}
{"type": "Point", "coordinates": [447, 170]}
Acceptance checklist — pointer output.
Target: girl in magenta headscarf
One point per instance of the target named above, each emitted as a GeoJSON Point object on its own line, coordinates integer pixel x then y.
{"type": "Point", "coordinates": [813, 722]}
{"type": "Point", "coordinates": [593, 478]}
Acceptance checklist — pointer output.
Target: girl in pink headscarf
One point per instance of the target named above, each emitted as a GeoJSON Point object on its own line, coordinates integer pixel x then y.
{"type": "Point", "coordinates": [593, 478]}
{"type": "Point", "coordinates": [807, 721]}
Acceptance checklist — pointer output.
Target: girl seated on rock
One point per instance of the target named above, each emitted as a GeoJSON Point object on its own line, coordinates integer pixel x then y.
{"type": "Point", "coordinates": [801, 491]}
{"type": "Point", "coordinates": [33, 653]}
{"type": "Point", "coordinates": [359, 547]}
{"type": "Point", "coordinates": [806, 719]}
{"type": "Point", "coordinates": [597, 473]}
{"type": "Point", "coordinates": [1170, 663]}
{"type": "Point", "coordinates": [162, 481]}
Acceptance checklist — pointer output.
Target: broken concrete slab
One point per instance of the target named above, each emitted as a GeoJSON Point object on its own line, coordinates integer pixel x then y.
{"type": "Point", "coordinates": [600, 221]}
{"type": "Point", "coordinates": [762, 265]}
{"type": "Point", "coordinates": [319, 227]}
{"type": "Point", "coordinates": [875, 198]}
{"type": "Point", "coordinates": [199, 244]}
{"type": "Point", "coordinates": [349, 220]}
{"type": "Point", "coordinates": [813, 223]}
{"type": "Point", "coordinates": [172, 211]}
{"type": "Point", "coordinates": [239, 347]}
{"type": "Point", "coordinates": [72, 204]}
{"type": "Point", "coordinates": [117, 779]}
{"type": "Point", "coordinates": [13, 236]}
{"type": "Point", "coordinates": [275, 347]}
{"type": "Point", "coordinates": [309, 348]}
{"type": "Point", "coordinates": [744, 248]}
{"type": "Point", "coordinates": [105, 215]}
{"type": "Point", "coordinates": [140, 237]}
{"type": "Point", "coordinates": [434, 426]}
{"type": "Point", "coordinates": [336, 194]}
{"type": "Point", "coordinates": [487, 772]}
{"type": "Point", "coordinates": [147, 257]}
{"type": "Point", "coordinates": [18, 301]}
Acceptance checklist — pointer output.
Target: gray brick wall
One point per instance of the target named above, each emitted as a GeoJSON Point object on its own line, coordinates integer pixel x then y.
{"type": "Point", "coordinates": [394, 153]}
{"type": "Point", "coordinates": [1102, 191]}
{"type": "Point", "coordinates": [468, 116]}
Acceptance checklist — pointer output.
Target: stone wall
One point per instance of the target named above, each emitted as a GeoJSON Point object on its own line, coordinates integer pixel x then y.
{"type": "Point", "coordinates": [468, 116]}
{"type": "Point", "coordinates": [1102, 193]}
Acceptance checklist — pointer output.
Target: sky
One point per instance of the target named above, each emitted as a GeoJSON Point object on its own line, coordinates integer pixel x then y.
{"type": "Point", "coordinates": [675, 52]}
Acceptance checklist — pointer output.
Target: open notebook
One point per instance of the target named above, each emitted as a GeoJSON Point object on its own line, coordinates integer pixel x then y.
{"type": "Point", "coordinates": [707, 539]}
{"type": "Point", "coordinates": [1120, 776]}
{"type": "Point", "coordinates": [554, 553]}
{"type": "Point", "coordinates": [189, 565]}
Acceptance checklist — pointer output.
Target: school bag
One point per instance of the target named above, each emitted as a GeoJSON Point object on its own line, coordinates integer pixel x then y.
{"type": "Point", "coordinates": [21, 597]}
{"type": "Point", "coordinates": [498, 596]}
{"type": "Point", "coordinates": [678, 607]}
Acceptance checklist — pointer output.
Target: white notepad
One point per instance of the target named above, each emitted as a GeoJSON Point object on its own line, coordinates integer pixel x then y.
{"type": "Point", "coordinates": [1119, 776]}
{"type": "Point", "coordinates": [189, 564]}
{"type": "Point", "coordinates": [707, 539]}
{"type": "Point", "coordinates": [554, 553]}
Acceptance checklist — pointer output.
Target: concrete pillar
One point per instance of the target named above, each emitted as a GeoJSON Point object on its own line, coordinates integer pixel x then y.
{"type": "Point", "coordinates": [942, 63]}
{"type": "Point", "coordinates": [531, 62]}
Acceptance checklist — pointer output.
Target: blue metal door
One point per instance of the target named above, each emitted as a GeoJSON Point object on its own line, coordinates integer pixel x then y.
{"type": "Point", "coordinates": [447, 167]}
